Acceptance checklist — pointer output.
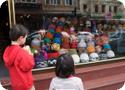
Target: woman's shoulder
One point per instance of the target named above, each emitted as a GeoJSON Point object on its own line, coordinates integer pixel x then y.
{"type": "Point", "coordinates": [73, 78]}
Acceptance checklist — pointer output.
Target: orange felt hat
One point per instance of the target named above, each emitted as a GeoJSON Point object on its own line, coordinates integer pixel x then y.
{"type": "Point", "coordinates": [90, 48]}
{"type": "Point", "coordinates": [49, 35]}
{"type": "Point", "coordinates": [59, 29]}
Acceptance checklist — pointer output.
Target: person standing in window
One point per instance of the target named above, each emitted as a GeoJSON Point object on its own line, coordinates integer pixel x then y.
{"type": "Point", "coordinates": [19, 61]}
{"type": "Point", "coordinates": [65, 79]}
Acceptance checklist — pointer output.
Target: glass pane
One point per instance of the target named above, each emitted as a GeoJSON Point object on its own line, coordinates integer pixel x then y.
{"type": "Point", "coordinates": [94, 29]}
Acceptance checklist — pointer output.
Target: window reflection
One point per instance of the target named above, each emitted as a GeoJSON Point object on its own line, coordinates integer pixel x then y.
{"type": "Point", "coordinates": [89, 30]}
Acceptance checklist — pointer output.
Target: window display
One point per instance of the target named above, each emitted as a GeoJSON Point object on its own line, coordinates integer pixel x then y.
{"type": "Point", "coordinates": [90, 44]}
{"type": "Point", "coordinates": [94, 35]}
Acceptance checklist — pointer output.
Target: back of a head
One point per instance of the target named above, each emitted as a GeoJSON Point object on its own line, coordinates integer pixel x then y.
{"type": "Point", "coordinates": [16, 31]}
{"type": "Point", "coordinates": [64, 66]}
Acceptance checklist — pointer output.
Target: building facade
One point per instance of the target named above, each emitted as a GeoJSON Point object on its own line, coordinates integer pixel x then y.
{"type": "Point", "coordinates": [101, 8]}
{"type": "Point", "coordinates": [61, 7]}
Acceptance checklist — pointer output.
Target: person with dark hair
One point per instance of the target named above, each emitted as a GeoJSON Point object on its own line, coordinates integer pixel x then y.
{"type": "Point", "coordinates": [19, 61]}
{"type": "Point", "coordinates": [65, 79]}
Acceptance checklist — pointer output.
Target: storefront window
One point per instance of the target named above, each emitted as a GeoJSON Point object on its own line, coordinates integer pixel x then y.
{"type": "Point", "coordinates": [92, 36]}
{"type": "Point", "coordinates": [97, 35]}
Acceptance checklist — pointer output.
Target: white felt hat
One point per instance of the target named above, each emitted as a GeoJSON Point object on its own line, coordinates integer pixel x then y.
{"type": "Point", "coordinates": [110, 54]}
{"type": "Point", "coordinates": [94, 57]}
{"type": "Point", "coordinates": [82, 44]}
{"type": "Point", "coordinates": [84, 57]}
{"type": "Point", "coordinates": [35, 42]}
{"type": "Point", "coordinates": [76, 58]}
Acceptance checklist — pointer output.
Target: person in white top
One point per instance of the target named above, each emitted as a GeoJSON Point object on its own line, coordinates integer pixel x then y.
{"type": "Point", "coordinates": [65, 79]}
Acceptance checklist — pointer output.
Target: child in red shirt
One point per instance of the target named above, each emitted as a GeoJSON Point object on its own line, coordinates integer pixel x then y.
{"type": "Point", "coordinates": [19, 61]}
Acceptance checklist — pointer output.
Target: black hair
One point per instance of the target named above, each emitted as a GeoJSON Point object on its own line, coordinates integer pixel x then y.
{"type": "Point", "coordinates": [16, 31]}
{"type": "Point", "coordinates": [64, 66]}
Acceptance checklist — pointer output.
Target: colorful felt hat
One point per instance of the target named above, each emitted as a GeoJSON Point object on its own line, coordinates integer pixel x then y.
{"type": "Point", "coordinates": [52, 31]}
{"type": "Point", "coordinates": [57, 40]}
{"type": "Point", "coordinates": [55, 47]}
{"type": "Point", "coordinates": [57, 35]}
{"type": "Point", "coordinates": [106, 46]}
{"type": "Point", "coordinates": [47, 40]}
{"type": "Point", "coordinates": [90, 48]}
{"type": "Point", "coordinates": [49, 35]}
{"type": "Point", "coordinates": [35, 42]}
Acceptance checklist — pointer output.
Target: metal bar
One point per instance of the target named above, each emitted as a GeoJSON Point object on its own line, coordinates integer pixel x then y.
{"type": "Point", "coordinates": [11, 9]}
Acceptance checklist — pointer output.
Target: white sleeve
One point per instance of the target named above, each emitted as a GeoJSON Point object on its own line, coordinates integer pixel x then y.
{"type": "Point", "coordinates": [123, 87]}
{"type": "Point", "coordinates": [81, 87]}
{"type": "Point", "coordinates": [51, 85]}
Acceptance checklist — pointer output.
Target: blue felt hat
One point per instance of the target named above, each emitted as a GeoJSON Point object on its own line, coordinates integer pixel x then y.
{"type": "Point", "coordinates": [52, 31]}
{"type": "Point", "coordinates": [57, 40]}
{"type": "Point", "coordinates": [106, 46]}
{"type": "Point", "coordinates": [57, 35]}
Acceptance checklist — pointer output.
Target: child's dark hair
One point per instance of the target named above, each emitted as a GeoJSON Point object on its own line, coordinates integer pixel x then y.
{"type": "Point", "coordinates": [16, 31]}
{"type": "Point", "coordinates": [64, 66]}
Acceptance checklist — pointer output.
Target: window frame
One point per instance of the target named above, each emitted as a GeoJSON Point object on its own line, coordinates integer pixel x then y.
{"type": "Point", "coordinates": [53, 2]}
{"type": "Point", "coordinates": [68, 3]}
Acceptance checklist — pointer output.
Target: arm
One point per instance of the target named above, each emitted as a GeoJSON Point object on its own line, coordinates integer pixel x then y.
{"type": "Point", "coordinates": [80, 85]}
{"type": "Point", "coordinates": [51, 85]}
{"type": "Point", "coordinates": [26, 61]}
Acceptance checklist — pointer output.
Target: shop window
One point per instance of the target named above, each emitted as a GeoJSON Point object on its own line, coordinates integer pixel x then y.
{"type": "Point", "coordinates": [104, 26]}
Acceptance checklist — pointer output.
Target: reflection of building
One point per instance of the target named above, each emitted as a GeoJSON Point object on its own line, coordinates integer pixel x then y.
{"type": "Point", "coordinates": [35, 11]}
{"type": "Point", "coordinates": [29, 13]}
{"type": "Point", "coordinates": [100, 8]}
{"type": "Point", "coordinates": [60, 7]}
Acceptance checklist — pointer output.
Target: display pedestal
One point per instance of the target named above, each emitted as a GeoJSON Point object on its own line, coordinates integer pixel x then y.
{"type": "Point", "coordinates": [105, 75]}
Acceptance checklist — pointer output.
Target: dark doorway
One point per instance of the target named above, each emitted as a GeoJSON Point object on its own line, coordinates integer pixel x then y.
{"type": "Point", "coordinates": [4, 36]}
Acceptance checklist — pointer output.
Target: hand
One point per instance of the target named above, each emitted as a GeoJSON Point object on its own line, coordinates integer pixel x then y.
{"type": "Point", "coordinates": [27, 48]}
